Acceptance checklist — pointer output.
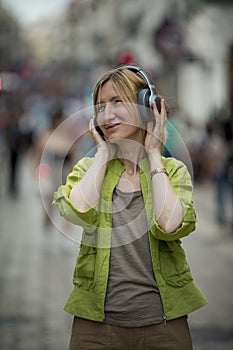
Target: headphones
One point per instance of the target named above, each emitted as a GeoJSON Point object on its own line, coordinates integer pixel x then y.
{"type": "Point", "coordinates": [146, 96]}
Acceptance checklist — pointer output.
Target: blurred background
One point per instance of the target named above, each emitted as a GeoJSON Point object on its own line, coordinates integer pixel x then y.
{"type": "Point", "coordinates": [51, 54]}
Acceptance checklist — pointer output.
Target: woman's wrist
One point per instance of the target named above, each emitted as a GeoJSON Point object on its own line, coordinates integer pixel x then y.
{"type": "Point", "coordinates": [155, 160]}
{"type": "Point", "coordinates": [103, 155]}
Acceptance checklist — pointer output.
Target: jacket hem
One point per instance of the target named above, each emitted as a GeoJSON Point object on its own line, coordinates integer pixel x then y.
{"type": "Point", "coordinates": [85, 304]}
{"type": "Point", "coordinates": [192, 300]}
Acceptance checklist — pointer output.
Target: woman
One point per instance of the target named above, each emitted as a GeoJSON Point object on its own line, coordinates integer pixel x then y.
{"type": "Point", "coordinates": [132, 285]}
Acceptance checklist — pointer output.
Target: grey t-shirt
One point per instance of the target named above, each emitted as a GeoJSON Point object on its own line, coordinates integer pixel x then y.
{"type": "Point", "coordinates": [133, 298]}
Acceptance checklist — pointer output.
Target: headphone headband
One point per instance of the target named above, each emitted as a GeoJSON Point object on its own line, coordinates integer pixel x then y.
{"type": "Point", "coordinates": [137, 69]}
{"type": "Point", "coordinates": [147, 95]}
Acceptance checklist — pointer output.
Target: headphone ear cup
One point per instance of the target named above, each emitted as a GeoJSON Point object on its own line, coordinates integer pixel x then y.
{"type": "Point", "coordinates": [144, 105]}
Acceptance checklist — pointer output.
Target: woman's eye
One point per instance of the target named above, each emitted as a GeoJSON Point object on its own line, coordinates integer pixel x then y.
{"type": "Point", "coordinates": [100, 107]}
{"type": "Point", "coordinates": [117, 101]}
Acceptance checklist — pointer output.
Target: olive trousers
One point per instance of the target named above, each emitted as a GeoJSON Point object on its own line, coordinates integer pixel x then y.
{"type": "Point", "coordinates": [91, 335]}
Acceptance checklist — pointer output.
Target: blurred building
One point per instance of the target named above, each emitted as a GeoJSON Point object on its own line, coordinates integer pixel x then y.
{"type": "Point", "coordinates": [185, 44]}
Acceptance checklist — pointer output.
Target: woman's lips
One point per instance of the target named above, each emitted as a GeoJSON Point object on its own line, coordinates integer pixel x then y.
{"type": "Point", "coordinates": [112, 126]}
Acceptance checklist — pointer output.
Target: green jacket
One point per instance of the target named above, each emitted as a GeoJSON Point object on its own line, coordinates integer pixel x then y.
{"type": "Point", "coordinates": [178, 292]}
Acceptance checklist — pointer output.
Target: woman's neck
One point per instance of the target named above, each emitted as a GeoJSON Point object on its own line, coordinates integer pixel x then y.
{"type": "Point", "coordinates": [130, 156]}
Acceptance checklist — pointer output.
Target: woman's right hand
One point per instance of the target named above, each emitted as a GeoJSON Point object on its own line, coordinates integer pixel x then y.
{"type": "Point", "coordinates": [108, 149]}
{"type": "Point", "coordinates": [86, 193]}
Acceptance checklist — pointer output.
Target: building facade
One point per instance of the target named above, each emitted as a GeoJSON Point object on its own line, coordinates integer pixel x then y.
{"type": "Point", "coordinates": [186, 48]}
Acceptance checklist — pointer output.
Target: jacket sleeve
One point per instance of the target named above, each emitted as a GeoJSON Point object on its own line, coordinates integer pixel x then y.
{"type": "Point", "coordinates": [182, 184]}
{"type": "Point", "coordinates": [88, 219]}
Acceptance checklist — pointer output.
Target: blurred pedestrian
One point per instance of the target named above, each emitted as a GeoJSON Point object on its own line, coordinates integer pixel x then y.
{"type": "Point", "coordinates": [132, 283]}
{"type": "Point", "coordinates": [229, 175]}
{"type": "Point", "coordinates": [217, 163]}
{"type": "Point", "coordinates": [228, 128]}
{"type": "Point", "coordinates": [215, 157]}
{"type": "Point", "coordinates": [3, 147]}
{"type": "Point", "coordinates": [52, 154]}
{"type": "Point", "coordinates": [14, 144]}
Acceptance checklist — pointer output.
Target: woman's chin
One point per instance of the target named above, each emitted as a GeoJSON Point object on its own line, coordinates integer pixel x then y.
{"type": "Point", "coordinates": [115, 140]}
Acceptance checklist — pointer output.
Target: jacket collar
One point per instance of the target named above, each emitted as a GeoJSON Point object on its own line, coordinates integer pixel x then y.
{"type": "Point", "coordinates": [117, 167]}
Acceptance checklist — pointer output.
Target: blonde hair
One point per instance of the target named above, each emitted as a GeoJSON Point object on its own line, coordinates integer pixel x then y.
{"type": "Point", "coordinates": [125, 82]}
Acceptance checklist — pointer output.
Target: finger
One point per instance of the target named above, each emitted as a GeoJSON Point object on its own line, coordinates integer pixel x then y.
{"type": "Point", "coordinates": [158, 119]}
{"type": "Point", "coordinates": [92, 127]}
{"type": "Point", "coordinates": [157, 116]}
{"type": "Point", "coordinates": [156, 112]}
{"type": "Point", "coordinates": [94, 132]}
{"type": "Point", "coordinates": [155, 109]}
{"type": "Point", "coordinates": [163, 108]}
{"type": "Point", "coordinates": [150, 126]}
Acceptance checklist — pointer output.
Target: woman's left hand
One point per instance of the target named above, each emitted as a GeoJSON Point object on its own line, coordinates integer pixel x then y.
{"type": "Point", "coordinates": [156, 130]}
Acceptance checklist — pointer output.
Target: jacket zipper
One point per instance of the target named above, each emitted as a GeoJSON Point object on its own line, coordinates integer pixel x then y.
{"type": "Point", "coordinates": [164, 319]}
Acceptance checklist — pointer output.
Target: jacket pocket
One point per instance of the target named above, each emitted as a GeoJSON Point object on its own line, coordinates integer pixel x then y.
{"type": "Point", "coordinates": [174, 267]}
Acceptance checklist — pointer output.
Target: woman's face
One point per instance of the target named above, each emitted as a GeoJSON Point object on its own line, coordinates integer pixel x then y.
{"type": "Point", "coordinates": [117, 119]}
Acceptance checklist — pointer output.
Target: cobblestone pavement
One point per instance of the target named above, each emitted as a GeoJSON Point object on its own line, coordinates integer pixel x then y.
{"type": "Point", "coordinates": [36, 267]}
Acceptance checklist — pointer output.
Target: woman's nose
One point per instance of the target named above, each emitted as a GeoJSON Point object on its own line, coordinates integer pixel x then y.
{"type": "Point", "coordinates": [109, 111]}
